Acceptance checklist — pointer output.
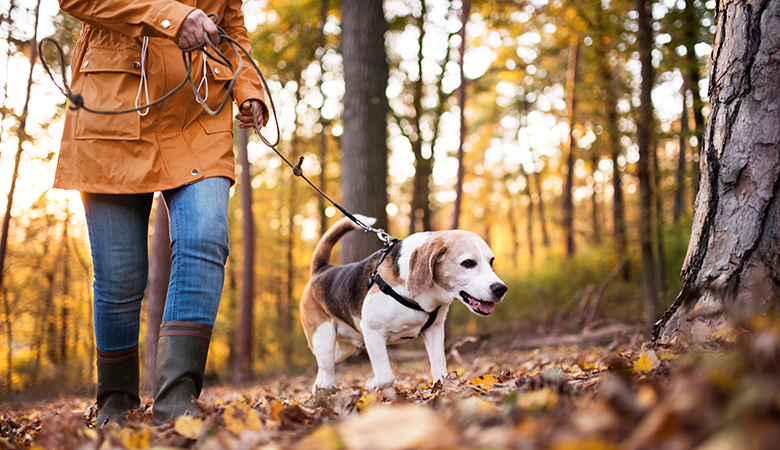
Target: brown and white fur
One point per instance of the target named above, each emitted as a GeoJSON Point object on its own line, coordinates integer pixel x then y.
{"type": "Point", "coordinates": [339, 313]}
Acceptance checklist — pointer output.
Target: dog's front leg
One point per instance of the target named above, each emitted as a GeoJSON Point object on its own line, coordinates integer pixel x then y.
{"type": "Point", "coordinates": [434, 344]}
{"type": "Point", "coordinates": [376, 346]}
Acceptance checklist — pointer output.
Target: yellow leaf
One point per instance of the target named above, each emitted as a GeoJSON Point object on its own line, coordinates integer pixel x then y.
{"type": "Point", "coordinates": [188, 426]}
{"type": "Point", "coordinates": [583, 444]}
{"type": "Point", "coordinates": [366, 402]}
{"type": "Point", "coordinates": [239, 417]}
{"type": "Point", "coordinates": [276, 410]}
{"type": "Point", "coordinates": [90, 433]}
{"type": "Point", "coordinates": [485, 382]}
{"type": "Point", "coordinates": [322, 438]}
{"type": "Point", "coordinates": [643, 364]}
{"type": "Point", "coordinates": [538, 400]}
{"type": "Point", "coordinates": [136, 439]}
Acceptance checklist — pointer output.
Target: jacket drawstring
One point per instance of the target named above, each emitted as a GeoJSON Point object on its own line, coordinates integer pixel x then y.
{"type": "Point", "coordinates": [143, 84]}
{"type": "Point", "coordinates": [203, 82]}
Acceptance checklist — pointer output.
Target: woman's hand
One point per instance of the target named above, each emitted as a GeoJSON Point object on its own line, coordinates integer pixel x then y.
{"type": "Point", "coordinates": [191, 31]}
{"type": "Point", "coordinates": [245, 114]}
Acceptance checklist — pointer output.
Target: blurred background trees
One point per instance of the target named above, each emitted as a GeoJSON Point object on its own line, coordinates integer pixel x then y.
{"type": "Point", "coordinates": [555, 132]}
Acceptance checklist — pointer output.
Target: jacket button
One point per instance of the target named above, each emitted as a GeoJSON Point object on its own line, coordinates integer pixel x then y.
{"type": "Point", "coordinates": [165, 24]}
{"type": "Point", "coordinates": [195, 172]}
{"type": "Point", "coordinates": [136, 65]}
{"type": "Point", "coordinates": [216, 70]}
{"type": "Point", "coordinates": [86, 63]}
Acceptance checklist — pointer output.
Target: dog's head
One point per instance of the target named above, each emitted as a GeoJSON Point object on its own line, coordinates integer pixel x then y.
{"type": "Point", "coordinates": [461, 263]}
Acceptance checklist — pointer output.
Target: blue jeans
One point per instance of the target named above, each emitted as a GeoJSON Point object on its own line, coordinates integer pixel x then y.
{"type": "Point", "coordinates": [118, 228]}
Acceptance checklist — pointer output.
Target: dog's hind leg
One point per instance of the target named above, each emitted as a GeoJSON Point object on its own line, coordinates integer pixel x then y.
{"type": "Point", "coordinates": [323, 345]}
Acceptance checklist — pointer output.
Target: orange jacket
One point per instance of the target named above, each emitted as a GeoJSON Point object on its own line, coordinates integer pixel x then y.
{"type": "Point", "coordinates": [177, 142]}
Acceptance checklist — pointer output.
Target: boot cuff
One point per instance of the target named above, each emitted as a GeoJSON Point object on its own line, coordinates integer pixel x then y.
{"type": "Point", "coordinates": [185, 329]}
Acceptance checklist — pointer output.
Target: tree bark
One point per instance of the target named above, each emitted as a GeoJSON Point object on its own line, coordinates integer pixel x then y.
{"type": "Point", "coordinates": [568, 194]}
{"type": "Point", "coordinates": [157, 289]}
{"type": "Point", "coordinates": [364, 142]}
{"type": "Point", "coordinates": [542, 216]}
{"type": "Point", "coordinates": [243, 372]}
{"type": "Point", "coordinates": [464, 18]}
{"type": "Point", "coordinates": [732, 268]}
{"type": "Point", "coordinates": [530, 214]}
{"type": "Point", "coordinates": [644, 128]}
{"type": "Point", "coordinates": [9, 341]}
{"type": "Point", "coordinates": [595, 204]}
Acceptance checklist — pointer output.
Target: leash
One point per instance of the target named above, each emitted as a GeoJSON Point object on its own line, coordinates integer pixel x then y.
{"type": "Point", "coordinates": [77, 101]}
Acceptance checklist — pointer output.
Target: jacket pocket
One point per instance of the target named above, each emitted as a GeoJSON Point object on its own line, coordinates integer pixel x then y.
{"type": "Point", "coordinates": [108, 80]}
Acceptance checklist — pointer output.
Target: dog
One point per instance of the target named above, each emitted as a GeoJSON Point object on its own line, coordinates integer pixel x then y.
{"type": "Point", "coordinates": [412, 285]}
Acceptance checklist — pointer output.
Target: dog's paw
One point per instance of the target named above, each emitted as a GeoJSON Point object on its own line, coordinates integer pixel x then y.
{"type": "Point", "coordinates": [373, 383]}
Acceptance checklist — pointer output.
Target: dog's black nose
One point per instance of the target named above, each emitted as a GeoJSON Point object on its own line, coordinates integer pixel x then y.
{"type": "Point", "coordinates": [499, 289]}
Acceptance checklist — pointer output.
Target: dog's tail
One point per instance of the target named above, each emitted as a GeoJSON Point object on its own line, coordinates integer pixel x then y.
{"type": "Point", "coordinates": [321, 256]}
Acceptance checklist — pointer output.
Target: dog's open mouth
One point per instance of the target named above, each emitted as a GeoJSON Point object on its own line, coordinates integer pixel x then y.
{"type": "Point", "coordinates": [478, 306]}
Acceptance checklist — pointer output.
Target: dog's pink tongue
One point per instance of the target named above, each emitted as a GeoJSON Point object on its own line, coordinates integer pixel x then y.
{"type": "Point", "coordinates": [487, 307]}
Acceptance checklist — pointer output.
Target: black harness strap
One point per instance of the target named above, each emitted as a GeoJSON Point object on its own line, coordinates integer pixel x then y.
{"type": "Point", "coordinates": [386, 289]}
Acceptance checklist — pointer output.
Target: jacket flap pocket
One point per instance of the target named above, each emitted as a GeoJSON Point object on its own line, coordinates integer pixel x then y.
{"type": "Point", "coordinates": [219, 71]}
{"type": "Point", "coordinates": [123, 60]}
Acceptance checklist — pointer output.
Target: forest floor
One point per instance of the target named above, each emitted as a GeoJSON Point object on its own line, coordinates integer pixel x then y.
{"type": "Point", "coordinates": [596, 390]}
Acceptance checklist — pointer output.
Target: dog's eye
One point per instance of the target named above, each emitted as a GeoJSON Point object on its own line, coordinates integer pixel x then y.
{"type": "Point", "coordinates": [469, 264]}
{"type": "Point", "coordinates": [491, 262]}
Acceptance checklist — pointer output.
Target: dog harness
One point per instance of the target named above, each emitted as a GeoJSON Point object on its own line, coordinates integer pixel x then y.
{"type": "Point", "coordinates": [388, 290]}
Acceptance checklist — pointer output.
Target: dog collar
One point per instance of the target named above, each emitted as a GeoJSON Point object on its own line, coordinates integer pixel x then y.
{"type": "Point", "coordinates": [385, 288]}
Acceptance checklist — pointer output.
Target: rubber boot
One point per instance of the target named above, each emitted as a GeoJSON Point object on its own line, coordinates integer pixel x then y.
{"type": "Point", "coordinates": [117, 388]}
{"type": "Point", "coordinates": [181, 360]}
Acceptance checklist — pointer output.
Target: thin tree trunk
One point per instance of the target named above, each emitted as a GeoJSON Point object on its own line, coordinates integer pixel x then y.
{"type": "Point", "coordinates": [644, 127]}
{"type": "Point", "coordinates": [530, 214]}
{"type": "Point", "coordinates": [682, 166]}
{"type": "Point", "coordinates": [157, 289]}
{"type": "Point", "coordinates": [243, 372]}
{"type": "Point", "coordinates": [420, 204]}
{"type": "Point", "coordinates": [542, 217]}
{"type": "Point", "coordinates": [364, 142]}
{"type": "Point", "coordinates": [10, 342]}
{"type": "Point", "coordinates": [732, 268]}
{"type": "Point", "coordinates": [21, 133]}
{"type": "Point", "coordinates": [568, 199]}
{"type": "Point", "coordinates": [464, 18]}
{"type": "Point", "coordinates": [660, 251]}
{"type": "Point", "coordinates": [323, 143]}
{"type": "Point", "coordinates": [65, 305]}
{"type": "Point", "coordinates": [692, 26]}
{"type": "Point", "coordinates": [595, 205]}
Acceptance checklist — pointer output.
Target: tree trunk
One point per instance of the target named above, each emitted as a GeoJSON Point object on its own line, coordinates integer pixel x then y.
{"type": "Point", "coordinates": [530, 214]}
{"type": "Point", "coordinates": [243, 372]}
{"type": "Point", "coordinates": [660, 251]}
{"type": "Point", "coordinates": [682, 165]}
{"type": "Point", "coordinates": [542, 217]}
{"type": "Point", "coordinates": [157, 289]}
{"type": "Point", "coordinates": [732, 268]}
{"type": "Point", "coordinates": [21, 133]}
{"type": "Point", "coordinates": [65, 303]}
{"type": "Point", "coordinates": [568, 190]}
{"type": "Point", "coordinates": [595, 204]}
{"type": "Point", "coordinates": [464, 18]}
{"type": "Point", "coordinates": [323, 143]}
{"type": "Point", "coordinates": [9, 341]}
{"type": "Point", "coordinates": [364, 142]}
{"type": "Point", "coordinates": [420, 205]}
{"type": "Point", "coordinates": [644, 128]}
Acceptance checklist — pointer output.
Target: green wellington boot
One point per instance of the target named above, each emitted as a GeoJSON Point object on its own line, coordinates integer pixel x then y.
{"type": "Point", "coordinates": [181, 360]}
{"type": "Point", "coordinates": [117, 388]}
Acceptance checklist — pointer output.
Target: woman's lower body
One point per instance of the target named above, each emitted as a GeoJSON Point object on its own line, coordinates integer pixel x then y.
{"type": "Point", "coordinates": [118, 229]}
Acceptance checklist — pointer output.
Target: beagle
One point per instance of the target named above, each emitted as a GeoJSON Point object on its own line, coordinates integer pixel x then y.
{"type": "Point", "coordinates": [414, 282]}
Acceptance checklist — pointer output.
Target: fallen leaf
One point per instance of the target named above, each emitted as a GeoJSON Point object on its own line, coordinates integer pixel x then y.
{"type": "Point", "coordinates": [385, 427]}
{"type": "Point", "coordinates": [365, 402]}
{"type": "Point", "coordinates": [538, 400]}
{"type": "Point", "coordinates": [643, 364]}
{"type": "Point", "coordinates": [136, 438]}
{"type": "Point", "coordinates": [239, 417]}
{"type": "Point", "coordinates": [188, 426]}
{"type": "Point", "coordinates": [485, 382]}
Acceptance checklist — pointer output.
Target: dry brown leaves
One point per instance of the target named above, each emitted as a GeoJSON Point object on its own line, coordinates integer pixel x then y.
{"type": "Point", "coordinates": [597, 398]}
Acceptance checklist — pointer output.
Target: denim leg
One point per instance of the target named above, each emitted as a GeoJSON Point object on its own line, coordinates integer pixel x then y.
{"type": "Point", "coordinates": [199, 240]}
{"type": "Point", "coordinates": [118, 227]}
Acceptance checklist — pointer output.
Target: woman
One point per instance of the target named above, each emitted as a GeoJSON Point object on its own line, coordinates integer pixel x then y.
{"type": "Point", "coordinates": [129, 52]}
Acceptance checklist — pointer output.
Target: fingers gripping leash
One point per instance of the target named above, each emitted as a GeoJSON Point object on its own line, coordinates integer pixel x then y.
{"type": "Point", "coordinates": [209, 50]}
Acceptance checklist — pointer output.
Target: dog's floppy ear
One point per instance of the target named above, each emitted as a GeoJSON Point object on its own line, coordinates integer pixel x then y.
{"type": "Point", "coordinates": [421, 265]}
